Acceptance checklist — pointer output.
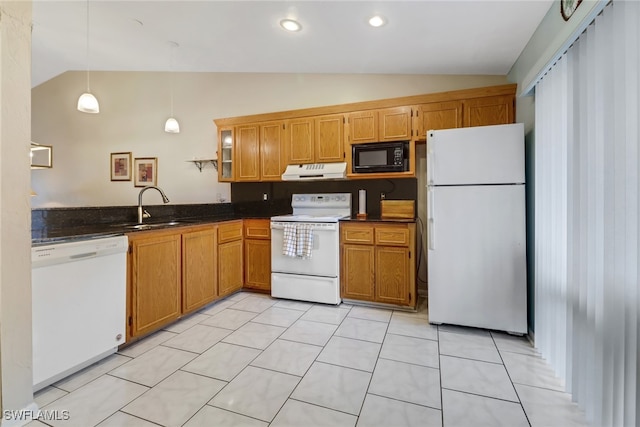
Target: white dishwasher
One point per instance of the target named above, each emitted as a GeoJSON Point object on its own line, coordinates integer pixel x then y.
{"type": "Point", "coordinates": [79, 305]}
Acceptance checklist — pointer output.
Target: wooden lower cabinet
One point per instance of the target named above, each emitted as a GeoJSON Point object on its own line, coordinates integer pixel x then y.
{"type": "Point", "coordinates": [393, 276]}
{"type": "Point", "coordinates": [377, 263]}
{"type": "Point", "coordinates": [230, 267]}
{"type": "Point", "coordinates": [257, 254]}
{"type": "Point", "coordinates": [230, 257]}
{"type": "Point", "coordinates": [155, 281]}
{"type": "Point", "coordinates": [357, 274]}
{"type": "Point", "coordinates": [199, 268]}
{"type": "Point", "coordinates": [175, 272]}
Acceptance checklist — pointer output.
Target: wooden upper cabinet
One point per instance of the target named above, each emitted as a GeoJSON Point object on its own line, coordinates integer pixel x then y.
{"type": "Point", "coordinates": [495, 110]}
{"type": "Point", "coordinates": [363, 126]}
{"type": "Point", "coordinates": [272, 162]}
{"type": "Point", "coordinates": [262, 148]}
{"type": "Point", "coordinates": [225, 155]}
{"type": "Point", "coordinates": [247, 153]}
{"type": "Point", "coordinates": [394, 124]}
{"type": "Point", "coordinates": [438, 115]}
{"type": "Point", "coordinates": [329, 138]}
{"type": "Point", "coordinates": [388, 124]}
{"type": "Point", "coordinates": [299, 141]}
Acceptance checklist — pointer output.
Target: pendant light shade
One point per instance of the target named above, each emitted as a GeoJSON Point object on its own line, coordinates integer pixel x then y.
{"type": "Point", "coordinates": [172, 125]}
{"type": "Point", "coordinates": [87, 103]}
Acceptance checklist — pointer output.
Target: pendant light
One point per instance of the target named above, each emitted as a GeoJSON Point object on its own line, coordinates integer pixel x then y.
{"type": "Point", "coordinates": [172, 125]}
{"type": "Point", "coordinates": [87, 103]}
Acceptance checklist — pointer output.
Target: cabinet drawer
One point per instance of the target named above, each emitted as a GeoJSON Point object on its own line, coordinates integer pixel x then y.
{"type": "Point", "coordinates": [229, 231]}
{"type": "Point", "coordinates": [359, 235]}
{"type": "Point", "coordinates": [257, 229]}
{"type": "Point", "coordinates": [392, 236]}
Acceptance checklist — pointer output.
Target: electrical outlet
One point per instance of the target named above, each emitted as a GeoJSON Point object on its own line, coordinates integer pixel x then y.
{"type": "Point", "coordinates": [382, 196]}
{"type": "Point", "coordinates": [264, 196]}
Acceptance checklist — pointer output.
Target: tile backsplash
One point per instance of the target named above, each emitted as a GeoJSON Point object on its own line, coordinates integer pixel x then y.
{"type": "Point", "coordinates": [280, 192]}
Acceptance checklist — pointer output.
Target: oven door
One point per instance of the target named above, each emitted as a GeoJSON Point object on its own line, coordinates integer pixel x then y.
{"type": "Point", "coordinates": [325, 255]}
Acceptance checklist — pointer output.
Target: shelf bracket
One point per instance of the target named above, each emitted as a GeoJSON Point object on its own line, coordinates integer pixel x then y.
{"type": "Point", "coordinates": [202, 162]}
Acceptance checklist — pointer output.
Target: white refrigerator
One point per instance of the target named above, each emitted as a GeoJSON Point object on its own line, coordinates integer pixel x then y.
{"type": "Point", "coordinates": [476, 259]}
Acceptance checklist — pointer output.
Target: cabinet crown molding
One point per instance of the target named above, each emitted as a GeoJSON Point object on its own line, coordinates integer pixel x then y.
{"type": "Point", "coordinates": [508, 89]}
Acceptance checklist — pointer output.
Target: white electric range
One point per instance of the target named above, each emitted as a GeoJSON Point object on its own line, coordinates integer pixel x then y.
{"type": "Point", "coordinates": [317, 278]}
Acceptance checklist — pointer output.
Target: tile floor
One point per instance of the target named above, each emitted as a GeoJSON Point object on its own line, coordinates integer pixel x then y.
{"type": "Point", "coordinates": [250, 360]}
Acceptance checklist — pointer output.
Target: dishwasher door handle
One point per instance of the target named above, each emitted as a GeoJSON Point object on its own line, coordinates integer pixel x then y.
{"type": "Point", "coordinates": [84, 255]}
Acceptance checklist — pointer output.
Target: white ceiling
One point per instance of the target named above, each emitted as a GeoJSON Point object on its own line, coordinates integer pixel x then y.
{"type": "Point", "coordinates": [421, 37]}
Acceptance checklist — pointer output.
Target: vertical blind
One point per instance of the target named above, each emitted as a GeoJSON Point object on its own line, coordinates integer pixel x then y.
{"type": "Point", "coordinates": [587, 288]}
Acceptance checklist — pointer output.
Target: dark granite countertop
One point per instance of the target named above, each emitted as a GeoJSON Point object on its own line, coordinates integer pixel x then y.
{"type": "Point", "coordinates": [72, 224]}
{"type": "Point", "coordinates": [377, 218]}
{"type": "Point", "coordinates": [85, 232]}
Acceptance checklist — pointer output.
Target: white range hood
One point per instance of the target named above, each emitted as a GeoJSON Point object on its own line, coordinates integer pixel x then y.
{"type": "Point", "coordinates": [315, 171]}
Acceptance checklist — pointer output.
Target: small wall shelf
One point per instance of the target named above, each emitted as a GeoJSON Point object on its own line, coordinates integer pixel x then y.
{"type": "Point", "coordinates": [200, 163]}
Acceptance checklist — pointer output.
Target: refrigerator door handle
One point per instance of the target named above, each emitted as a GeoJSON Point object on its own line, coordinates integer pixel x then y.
{"type": "Point", "coordinates": [431, 200]}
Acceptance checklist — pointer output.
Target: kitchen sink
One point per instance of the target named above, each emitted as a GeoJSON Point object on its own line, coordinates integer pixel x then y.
{"type": "Point", "coordinates": [153, 225]}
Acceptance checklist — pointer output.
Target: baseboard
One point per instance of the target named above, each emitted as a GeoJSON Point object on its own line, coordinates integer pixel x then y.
{"type": "Point", "coordinates": [20, 417]}
{"type": "Point", "coordinates": [531, 337]}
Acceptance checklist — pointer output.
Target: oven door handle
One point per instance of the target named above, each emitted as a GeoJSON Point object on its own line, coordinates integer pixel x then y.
{"type": "Point", "coordinates": [327, 226]}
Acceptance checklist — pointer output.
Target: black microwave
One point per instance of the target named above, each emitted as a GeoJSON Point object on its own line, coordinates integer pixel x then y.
{"type": "Point", "coordinates": [380, 157]}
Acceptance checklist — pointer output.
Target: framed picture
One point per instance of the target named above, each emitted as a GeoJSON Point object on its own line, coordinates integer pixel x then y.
{"type": "Point", "coordinates": [146, 171]}
{"type": "Point", "coordinates": [121, 166]}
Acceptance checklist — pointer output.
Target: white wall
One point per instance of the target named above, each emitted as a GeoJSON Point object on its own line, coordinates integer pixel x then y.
{"type": "Point", "coordinates": [549, 41]}
{"type": "Point", "coordinates": [15, 255]}
{"type": "Point", "coordinates": [134, 106]}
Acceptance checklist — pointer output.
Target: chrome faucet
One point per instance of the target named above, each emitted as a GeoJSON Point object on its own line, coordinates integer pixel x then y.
{"type": "Point", "coordinates": [141, 212]}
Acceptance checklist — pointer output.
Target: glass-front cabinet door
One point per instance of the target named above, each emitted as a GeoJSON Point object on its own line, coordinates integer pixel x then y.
{"type": "Point", "coordinates": [225, 155]}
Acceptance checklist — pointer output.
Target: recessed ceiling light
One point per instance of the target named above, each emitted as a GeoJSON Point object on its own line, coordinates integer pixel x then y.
{"type": "Point", "coordinates": [377, 21]}
{"type": "Point", "coordinates": [290, 25]}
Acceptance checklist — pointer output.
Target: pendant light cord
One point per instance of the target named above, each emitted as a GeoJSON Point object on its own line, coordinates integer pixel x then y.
{"type": "Point", "coordinates": [88, 81]}
{"type": "Point", "coordinates": [173, 47]}
{"type": "Point", "coordinates": [171, 79]}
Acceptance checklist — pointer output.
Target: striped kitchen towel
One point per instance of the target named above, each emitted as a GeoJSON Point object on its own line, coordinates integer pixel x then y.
{"type": "Point", "coordinates": [289, 240]}
{"type": "Point", "coordinates": [304, 241]}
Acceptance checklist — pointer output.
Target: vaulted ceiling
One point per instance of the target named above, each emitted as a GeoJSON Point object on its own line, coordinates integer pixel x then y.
{"type": "Point", "coordinates": [420, 37]}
